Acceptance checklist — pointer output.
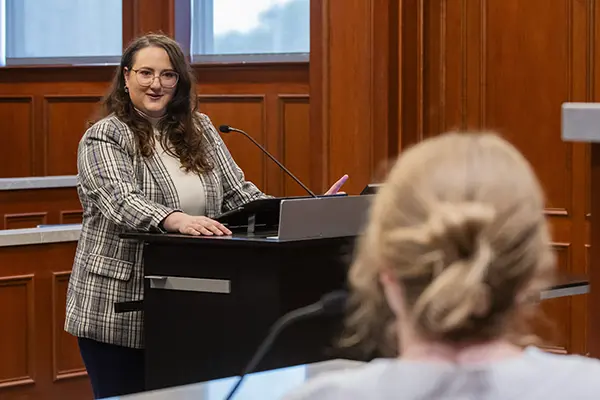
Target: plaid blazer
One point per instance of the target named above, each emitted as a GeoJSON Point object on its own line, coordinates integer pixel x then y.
{"type": "Point", "coordinates": [120, 190]}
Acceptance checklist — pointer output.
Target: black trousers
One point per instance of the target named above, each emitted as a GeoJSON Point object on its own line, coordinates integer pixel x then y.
{"type": "Point", "coordinates": [113, 370]}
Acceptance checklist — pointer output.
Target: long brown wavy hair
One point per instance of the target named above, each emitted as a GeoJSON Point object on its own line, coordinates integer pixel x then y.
{"type": "Point", "coordinates": [180, 133]}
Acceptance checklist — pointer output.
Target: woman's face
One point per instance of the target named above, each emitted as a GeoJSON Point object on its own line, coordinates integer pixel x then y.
{"type": "Point", "coordinates": [151, 67]}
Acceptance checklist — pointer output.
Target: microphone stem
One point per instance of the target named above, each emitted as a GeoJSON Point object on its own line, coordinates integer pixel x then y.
{"type": "Point", "coordinates": [275, 161]}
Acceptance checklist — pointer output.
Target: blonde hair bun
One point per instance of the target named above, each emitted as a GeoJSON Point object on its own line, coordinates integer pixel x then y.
{"type": "Point", "coordinates": [459, 222]}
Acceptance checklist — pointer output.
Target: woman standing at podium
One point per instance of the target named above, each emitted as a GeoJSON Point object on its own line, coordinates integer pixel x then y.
{"type": "Point", "coordinates": [454, 257]}
{"type": "Point", "coordinates": [153, 163]}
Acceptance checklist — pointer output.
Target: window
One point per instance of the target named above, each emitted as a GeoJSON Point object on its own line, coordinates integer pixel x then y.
{"type": "Point", "coordinates": [247, 29]}
{"type": "Point", "coordinates": [60, 31]}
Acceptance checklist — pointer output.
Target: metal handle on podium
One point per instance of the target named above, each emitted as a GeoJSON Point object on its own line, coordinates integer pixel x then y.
{"type": "Point", "coordinates": [154, 278]}
{"type": "Point", "coordinates": [203, 285]}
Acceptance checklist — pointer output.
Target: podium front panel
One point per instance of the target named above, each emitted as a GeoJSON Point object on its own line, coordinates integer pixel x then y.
{"type": "Point", "coordinates": [195, 336]}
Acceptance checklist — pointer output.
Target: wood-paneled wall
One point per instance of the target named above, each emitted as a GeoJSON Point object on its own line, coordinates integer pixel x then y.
{"type": "Point", "coordinates": [387, 74]}
{"type": "Point", "coordinates": [39, 359]}
{"type": "Point", "coordinates": [507, 66]}
{"type": "Point", "coordinates": [30, 208]}
{"type": "Point", "coordinates": [271, 103]}
{"type": "Point", "coordinates": [354, 86]}
{"type": "Point", "coordinates": [45, 111]}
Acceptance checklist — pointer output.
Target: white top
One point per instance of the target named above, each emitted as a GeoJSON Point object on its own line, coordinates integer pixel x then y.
{"type": "Point", "coordinates": [535, 375]}
{"type": "Point", "coordinates": [189, 186]}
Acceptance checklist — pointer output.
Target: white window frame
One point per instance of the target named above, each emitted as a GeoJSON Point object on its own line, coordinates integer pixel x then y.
{"type": "Point", "coordinates": [203, 29]}
{"type": "Point", "coordinates": [71, 61]}
{"type": "Point", "coordinates": [2, 33]}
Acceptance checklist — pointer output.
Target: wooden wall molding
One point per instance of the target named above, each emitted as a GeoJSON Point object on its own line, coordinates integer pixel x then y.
{"type": "Point", "coordinates": [14, 142]}
{"type": "Point", "coordinates": [295, 147]}
{"type": "Point", "coordinates": [10, 356]}
{"type": "Point", "coordinates": [587, 184]}
{"type": "Point", "coordinates": [16, 98]}
{"type": "Point", "coordinates": [25, 220]}
{"type": "Point", "coordinates": [255, 72]}
{"type": "Point", "coordinates": [319, 91]}
{"type": "Point", "coordinates": [558, 311]}
{"type": "Point", "coordinates": [59, 285]}
{"type": "Point", "coordinates": [231, 97]}
{"type": "Point", "coordinates": [233, 109]}
{"type": "Point", "coordinates": [39, 206]}
{"type": "Point", "coordinates": [482, 64]}
{"type": "Point", "coordinates": [71, 216]}
{"type": "Point", "coordinates": [587, 255]}
{"type": "Point", "coordinates": [302, 98]}
{"type": "Point", "coordinates": [59, 154]}
{"type": "Point", "coordinates": [145, 16]}
{"type": "Point", "coordinates": [57, 74]}
{"type": "Point", "coordinates": [171, 17]}
{"type": "Point", "coordinates": [411, 70]}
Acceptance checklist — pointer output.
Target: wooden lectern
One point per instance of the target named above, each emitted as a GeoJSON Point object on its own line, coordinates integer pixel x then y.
{"type": "Point", "coordinates": [210, 301]}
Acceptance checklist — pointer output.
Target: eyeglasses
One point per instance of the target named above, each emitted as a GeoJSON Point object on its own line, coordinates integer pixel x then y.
{"type": "Point", "coordinates": [145, 77]}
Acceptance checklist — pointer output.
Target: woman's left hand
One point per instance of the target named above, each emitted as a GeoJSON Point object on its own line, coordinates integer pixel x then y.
{"type": "Point", "coordinates": [336, 186]}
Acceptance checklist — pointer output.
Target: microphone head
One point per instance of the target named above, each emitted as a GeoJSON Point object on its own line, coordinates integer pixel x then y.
{"type": "Point", "coordinates": [225, 128]}
{"type": "Point", "coordinates": [334, 303]}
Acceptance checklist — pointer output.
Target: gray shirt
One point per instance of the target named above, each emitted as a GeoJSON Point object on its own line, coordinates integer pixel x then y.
{"type": "Point", "coordinates": [535, 375]}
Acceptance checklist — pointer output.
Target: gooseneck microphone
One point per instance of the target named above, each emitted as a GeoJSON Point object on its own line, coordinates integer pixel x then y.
{"type": "Point", "coordinates": [227, 129]}
{"type": "Point", "coordinates": [332, 303]}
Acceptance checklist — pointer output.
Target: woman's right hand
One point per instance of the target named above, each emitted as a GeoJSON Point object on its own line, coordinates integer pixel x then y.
{"type": "Point", "coordinates": [192, 225]}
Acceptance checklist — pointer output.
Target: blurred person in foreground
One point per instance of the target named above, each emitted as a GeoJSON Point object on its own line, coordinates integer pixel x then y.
{"type": "Point", "coordinates": [456, 250]}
